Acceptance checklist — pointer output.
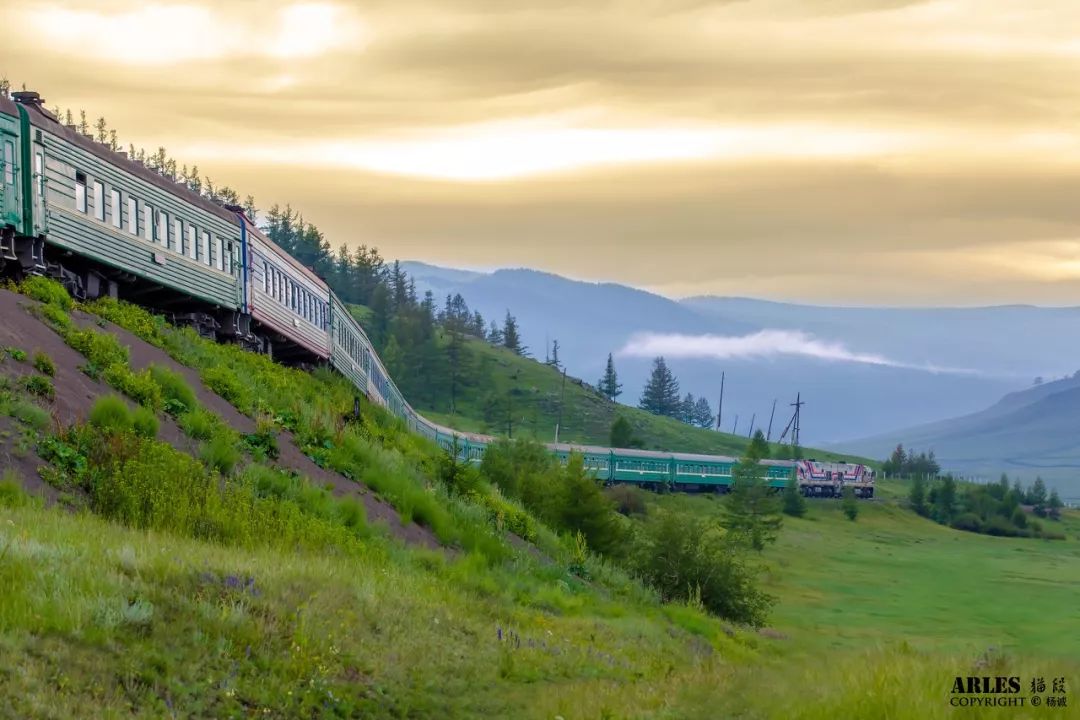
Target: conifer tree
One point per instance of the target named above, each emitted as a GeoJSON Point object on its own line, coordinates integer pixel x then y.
{"type": "Point", "coordinates": [510, 338]}
{"type": "Point", "coordinates": [661, 393]}
{"type": "Point", "coordinates": [703, 416]}
{"type": "Point", "coordinates": [794, 502]}
{"type": "Point", "coordinates": [609, 385]}
{"type": "Point", "coordinates": [753, 512]}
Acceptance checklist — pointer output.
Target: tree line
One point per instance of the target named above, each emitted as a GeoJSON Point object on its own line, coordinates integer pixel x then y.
{"type": "Point", "coordinates": [661, 395]}
{"type": "Point", "coordinates": [992, 509]}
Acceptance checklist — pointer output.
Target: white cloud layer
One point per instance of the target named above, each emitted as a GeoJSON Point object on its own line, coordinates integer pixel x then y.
{"type": "Point", "coordinates": [763, 344]}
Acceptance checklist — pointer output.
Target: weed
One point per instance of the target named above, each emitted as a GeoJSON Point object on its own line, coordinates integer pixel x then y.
{"type": "Point", "coordinates": [198, 424]}
{"type": "Point", "coordinates": [47, 291]}
{"type": "Point", "coordinates": [144, 422]}
{"type": "Point", "coordinates": [30, 414]}
{"type": "Point", "coordinates": [177, 393]}
{"type": "Point", "coordinates": [44, 364]}
{"type": "Point", "coordinates": [110, 413]}
{"type": "Point", "coordinates": [40, 385]}
{"type": "Point", "coordinates": [220, 453]}
{"type": "Point", "coordinates": [15, 353]}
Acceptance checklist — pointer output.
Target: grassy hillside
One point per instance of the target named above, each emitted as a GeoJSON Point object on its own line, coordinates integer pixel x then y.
{"type": "Point", "coordinates": [203, 588]}
{"type": "Point", "coordinates": [503, 392]}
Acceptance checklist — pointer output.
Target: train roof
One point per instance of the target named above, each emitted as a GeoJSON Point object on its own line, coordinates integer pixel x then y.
{"type": "Point", "coordinates": [42, 118]}
{"type": "Point", "coordinates": [8, 107]}
{"type": "Point", "coordinates": [253, 229]}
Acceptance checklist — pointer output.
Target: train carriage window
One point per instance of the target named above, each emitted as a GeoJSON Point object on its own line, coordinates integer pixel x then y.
{"type": "Point", "coordinates": [116, 219]}
{"type": "Point", "coordinates": [204, 248]}
{"type": "Point", "coordinates": [219, 259]}
{"type": "Point", "coordinates": [266, 276]}
{"type": "Point", "coordinates": [99, 200]}
{"type": "Point", "coordinates": [148, 222]}
{"type": "Point", "coordinates": [133, 215]}
{"type": "Point", "coordinates": [9, 164]}
{"type": "Point", "coordinates": [80, 191]}
{"type": "Point", "coordinates": [178, 235]}
{"type": "Point", "coordinates": [227, 258]}
{"type": "Point", "coordinates": [192, 235]}
{"type": "Point", "coordinates": [163, 229]}
{"type": "Point", "coordinates": [39, 170]}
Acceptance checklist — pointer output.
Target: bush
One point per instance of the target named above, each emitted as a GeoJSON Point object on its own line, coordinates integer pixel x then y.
{"type": "Point", "coordinates": [849, 504]}
{"type": "Point", "coordinates": [684, 557]}
{"type": "Point", "coordinates": [969, 522]}
{"type": "Point", "coordinates": [177, 394]}
{"type": "Point", "coordinates": [16, 354]}
{"type": "Point", "coordinates": [220, 453]}
{"type": "Point", "coordinates": [47, 291]}
{"type": "Point", "coordinates": [144, 422]}
{"type": "Point", "coordinates": [110, 413]}
{"type": "Point", "coordinates": [263, 442]}
{"type": "Point", "coordinates": [223, 381]}
{"type": "Point", "coordinates": [30, 414]}
{"type": "Point", "coordinates": [12, 494]}
{"type": "Point", "coordinates": [100, 349]}
{"type": "Point", "coordinates": [629, 500]}
{"type": "Point", "coordinates": [44, 364]}
{"type": "Point", "coordinates": [39, 385]}
{"type": "Point", "coordinates": [198, 424]}
{"type": "Point", "coordinates": [140, 387]}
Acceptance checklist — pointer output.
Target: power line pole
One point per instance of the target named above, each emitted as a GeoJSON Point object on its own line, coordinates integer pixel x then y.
{"type": "Point", "coordinates": [752, 419]}
{"type": "Point", "coordinates": [768, 437]}
{"type": "Point", "coordinates": [733, 427]}
{"type": "Point", "coordinates": [720, 407]}
{"type": "Point", "coordinates": [795, 424]}
{"type": "Point", "coordinates": [562, 394]}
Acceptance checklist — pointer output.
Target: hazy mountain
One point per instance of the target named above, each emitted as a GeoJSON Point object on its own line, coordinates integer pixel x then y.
{"type": "Point", "coordinates": [897, 383]}
{"type": "Point", "coordinates": [1027, 433]}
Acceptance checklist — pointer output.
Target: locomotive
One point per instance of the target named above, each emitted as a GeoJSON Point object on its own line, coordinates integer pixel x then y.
{"type": "Point", "coordinates": [105, 224]}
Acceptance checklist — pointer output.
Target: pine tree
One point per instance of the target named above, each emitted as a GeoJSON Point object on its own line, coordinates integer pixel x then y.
{"type": "Point", "coordinates": [114, 141]}
{"type": "Point", "coordinates": [703, 416]}
{"type": "Point", "coordinates": [753, 511]}
{"type": "Point", "coordinates": [495, 335]}
{"type": "Point", "coordinates": [101, 129]}
{"type": "Point", "coordinates": [686, 409]}
{"type": "Point", "coordinates": [661, 393]}
{"type": "Point", "coordinates": [622, 433]}
{"type": "Point", "coordinates": [917, 496]}
{"type": "Point", "coordinates": [1054, 505]}
{"type": "Point", "coordinates": [609, 385]}
{"type": "Point", "coordinates": [553, 361]}
{"type": "Point", "coordinates": [380, 316]}
{"type": "Point", "coordinates": [250, 210]}
{"type": "Point", "coordinates": [511, 339]}
{"type": "Point", "coordinates": [850, 505]}
{"type": "Point", "coordinates": [84, 125]}
{"type": "Point", "coordinates": [794, 502]}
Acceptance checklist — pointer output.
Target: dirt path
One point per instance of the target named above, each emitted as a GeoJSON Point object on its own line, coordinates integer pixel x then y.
{"type": "Point", "coordinates": [76, 393]}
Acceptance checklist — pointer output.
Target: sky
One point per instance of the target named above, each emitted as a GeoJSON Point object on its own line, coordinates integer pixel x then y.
{"type": "Point", "coordinates": [872, 152]}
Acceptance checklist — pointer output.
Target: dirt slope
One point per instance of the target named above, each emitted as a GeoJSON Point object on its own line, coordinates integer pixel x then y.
{"type": "Point", "coordinates": [76, 393]}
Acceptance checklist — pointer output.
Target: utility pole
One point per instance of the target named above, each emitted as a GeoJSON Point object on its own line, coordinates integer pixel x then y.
{"type": "Point", "coordinates": [768, 437]}
{"type": "Point", "coordinates": [736, 425]}
{"type": "Point", "coordinates": [562, 394]}
{"type": "Point", "coordinates": [720, 407]}
{"type": "Point", "coordinates": [752, 419]}
{"type": "Point", "coordinates": [795, 428]}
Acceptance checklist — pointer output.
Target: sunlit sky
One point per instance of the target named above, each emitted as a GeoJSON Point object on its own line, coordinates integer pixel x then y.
{"type": "Point", "coordinates": [842, 151]}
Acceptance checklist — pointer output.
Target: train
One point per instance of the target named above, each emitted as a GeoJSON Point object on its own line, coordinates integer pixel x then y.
{"type": "Point", "coordinates": [104, 224]}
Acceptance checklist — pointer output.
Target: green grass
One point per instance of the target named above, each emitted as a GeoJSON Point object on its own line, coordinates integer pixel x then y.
{"type": "Point", "coordinates": [496, 381]}
{"type": "Point", "coordinates": [893, 576]}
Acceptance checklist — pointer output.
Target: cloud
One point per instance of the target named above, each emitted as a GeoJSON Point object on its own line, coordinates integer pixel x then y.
{"type": "Point", "coordinates": [764, 344]}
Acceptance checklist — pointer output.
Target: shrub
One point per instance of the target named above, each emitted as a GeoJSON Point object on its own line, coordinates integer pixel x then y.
{"type": "Point", "coordinates": [39, 385]}
{"type": "Point", "coordinates": [849, 504]}
{"type": "Point", "coordinates": [220, 453]}
{"type": "Point", "coordinates": [110, 413]}
{"type": "Point", "coordinates": [177, 394]}
{"type": "Point", "coordinates": [629, 500]}
{"type": "Point", "coordinates": [16, 354]}
{"type": "Point", "coordinates": [263, 442]}
{"type": "Point", "coordinates": [683, 556]}
{"type": "Point", "coordinates": [30, 414]}
{"type": "Point", "coordinates": [57, 317]}
{"type": "Point", "coordinates": [12, 494]}
{"type": "Point", "coordinates": [968, 521]}
{"type": "Point", "coordinates": [199, 424]}
{"type": "Point", "coordinates": [101, 349]}
{"type": "Point", "coordinates": [223, 381]}
{"type": "Point", "coordinates": [44, 364]}
{"type": "Point", "coordinates": [140, 387]}
{"type": "Point", "coordinates": [47, 291]}
{"type": "Point", "coordinates": [144, 422]}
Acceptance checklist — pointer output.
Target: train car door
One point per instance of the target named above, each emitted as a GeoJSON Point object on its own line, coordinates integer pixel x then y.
{"type": "Point", "coordinates": [40, 185]}
{"type": "Point", "coordinates": [11, 207]}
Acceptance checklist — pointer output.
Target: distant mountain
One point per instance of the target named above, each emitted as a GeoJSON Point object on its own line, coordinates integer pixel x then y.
{"type": "Point", "coordinates": [1003, 348]}
{"type": "Point", "coordinates": [1027, 433]}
